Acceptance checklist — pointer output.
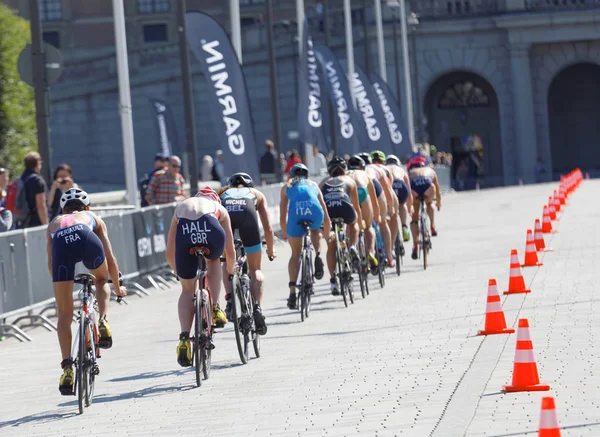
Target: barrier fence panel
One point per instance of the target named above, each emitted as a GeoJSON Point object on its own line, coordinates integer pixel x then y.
{"type": "Point", "coordinates": [151, 227]}
{"type": "Point", "coordinates": [40, 280]}
{"type": "Point", "coordinates": [122, 240]}
{"type": "Point", "coordinates": [13, 263]}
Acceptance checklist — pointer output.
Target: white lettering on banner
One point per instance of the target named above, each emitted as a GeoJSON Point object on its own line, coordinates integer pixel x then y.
{"type": "Point", "coordinates": [395, 134]}
{"type": "Point", "coordinates": [144, 247]}
{"type": "Point", "coordinates": [235, 140]}
{"type": "Point", "coordinates": [364, 104]}
{"type": "Point", "coordinates": [314, 89]}
{"type": "Point", "coordinates": [346, 128]}
{"type": "Point", "coordinates": [160, 245]}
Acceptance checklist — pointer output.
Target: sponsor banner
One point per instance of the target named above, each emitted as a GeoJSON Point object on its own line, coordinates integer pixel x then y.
{"type": "Point", "coordinates": [369, 110]}
{"type": "Point", "coordinates": [393, 117]}
{"type": "Point", "coordinates": [310, 109]}
{"type": "Point", "coordinates": [165, 125]}
{"type": "Point", "coordinates": [350, 129]}
{"type": "Point", "coordinates": [228, 94]}
{"type": "Point", "coordinates": [151, 228]}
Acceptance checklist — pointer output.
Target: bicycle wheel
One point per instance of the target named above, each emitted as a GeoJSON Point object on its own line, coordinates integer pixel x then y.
{"type": "Point", "coordinates": [197, 337]}
{"type": "Point", "coordinates": [424, 242]}
{"type": "Point", "coordinates": [381, 269]}
{"type": "Point", "coordinates": [80, 382]}
{"type": "Point", "coordinates": [256, 344]}
{"type": "Point", "coordinates": [307, 283]}
{"type": "Point", "coordinates": [350, 286]}
{"type": "Point", "coordinates": [361, 264]}
{"type": "Point", "coordinates": [238, 314]}
{"type": "Point", "coordinates": [301, 297]}
{"type": "Point", "coordinates": [205, 339]}
{"type": "Point", "coordinates": [92, 367]}
{"type": "Point", "coordinates": [341, 275]}
{"type": "Point", "coordinates": [398, 250]}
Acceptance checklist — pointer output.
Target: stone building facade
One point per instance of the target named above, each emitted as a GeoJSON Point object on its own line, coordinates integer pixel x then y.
{"type": "Point", "coordinates": [499, 83]}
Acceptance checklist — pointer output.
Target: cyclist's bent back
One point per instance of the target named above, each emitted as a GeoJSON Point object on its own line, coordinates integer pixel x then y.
{"type": "Point", "coordinates": [79, 235]}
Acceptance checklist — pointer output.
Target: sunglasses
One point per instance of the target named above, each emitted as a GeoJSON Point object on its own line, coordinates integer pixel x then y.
{"type": "Point", "coordinates": [175, 166]}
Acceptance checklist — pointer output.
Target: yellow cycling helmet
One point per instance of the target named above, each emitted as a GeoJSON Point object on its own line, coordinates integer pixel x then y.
{"type": "Point", "coordinates": [378, 156]}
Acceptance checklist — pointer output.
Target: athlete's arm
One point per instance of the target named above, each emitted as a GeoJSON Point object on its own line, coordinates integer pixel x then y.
{"type": "Point", "coordinates": [170, 254]}
{"type": "Point", "coordinates": [438, 196]}
{"type": "Point", "coordinates": [229, 244]}
{"type": "Point", "coordinates": [374, 202]}
{"type": "Point", "coordinates": [326, 219]}
{"type": "Point", "coordinates": [49, 250]}
{"type": "Point", "coordinates": [113, 267]}
{"type": "Point", "coordinates": [409, 199]}
{"type": "Point", "coordinates": [263, 213]}
{"type": "Point", "coordinates": [283, 209]}
{"type": "Point", "coordinates": [356, 204]}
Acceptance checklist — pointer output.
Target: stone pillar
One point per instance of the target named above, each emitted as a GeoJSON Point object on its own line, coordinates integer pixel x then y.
{"type": "Point", "coordinates": [524, 118]}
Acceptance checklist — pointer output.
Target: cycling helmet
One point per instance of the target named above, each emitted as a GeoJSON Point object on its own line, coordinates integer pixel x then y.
{"type": "Point", "coordinates": [393, 159]}
{"type": "Point", "coordinates": [299, 171]}
{"type": "Point", "coordinates": [74, 194]}
{"type": "Point", "coordinates": [241, 179]}
{"type": "Point", "coordinates": [208, 193]}
{"type": "Point", "coordinates": [356, 163]}
{"type": "Point", "coordinates": [337, 166]}
{"type": "Point", "coordinates": [378, 156]}
{"type": "Point", "coordinates": [417, 161]}
{"type": "Point", "coordinates": [365, 157]}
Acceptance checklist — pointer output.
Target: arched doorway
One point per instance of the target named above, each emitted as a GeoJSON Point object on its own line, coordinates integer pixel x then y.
{"type": "Point", "coordinates": [573, 107]}
{"type": "Point", "coordinates": [463, 119]}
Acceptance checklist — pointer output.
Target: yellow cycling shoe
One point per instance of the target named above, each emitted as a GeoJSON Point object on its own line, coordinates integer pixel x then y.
{"type": "Point", "coordinates": [184, 350]}
{"type": "Point", "coordinates": [65, 385]}
{"type": "Point", "coordinates": [105, 340]}
{"type": "Point", "coordinates": [373, 264]}
{"type": "Point", "coordinates": [218, 316]}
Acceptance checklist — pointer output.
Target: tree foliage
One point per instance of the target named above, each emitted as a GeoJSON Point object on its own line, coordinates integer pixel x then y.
{"type": "Point", "coordinates": [17, 107]}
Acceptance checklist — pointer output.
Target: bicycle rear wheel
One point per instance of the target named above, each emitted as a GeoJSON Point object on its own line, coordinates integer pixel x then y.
{"type": "Point", "coordinates": [206, 337]}
{"type": "Point", "coordinates": [424, 243]}
{"type": "Point", "coordinates": [361, 264]}
{"type": "Point", "coordinates": [308, 283]}
{"type": "Point", "coordinates": [341, 275]}
{"type": "Point", "coordinates": [238, 313]}
{"type": "Point", "coordinates": [381, 269]}
{"type": "Point", "coordinates": [91, 368]}
{"type": "Point", "coordinates": [197, 337]}
{"type": "Point", "coordinates": [398, 251]}
{"type": "Point", "coordinates": [80, 382]}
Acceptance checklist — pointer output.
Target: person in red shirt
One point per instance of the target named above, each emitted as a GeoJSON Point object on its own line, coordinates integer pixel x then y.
{"type": "Point", "coordinates": [293, 159]}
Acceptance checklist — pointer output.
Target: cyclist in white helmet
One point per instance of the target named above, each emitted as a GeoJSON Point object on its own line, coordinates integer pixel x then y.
{"type": "Point", "coordinates": [79, 235]}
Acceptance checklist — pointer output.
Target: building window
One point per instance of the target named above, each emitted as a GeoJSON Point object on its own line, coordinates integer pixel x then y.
{"type": "Point", "coordinates": [463, 95]}
{"type": "Point", "coordinates": [52, 38]}
{"type": "Point", "coordinates": [155, 33]}
{"type": "Point", "coordinates": [50, 10]}
{"type": "Point", "coordinates": [153, 6]}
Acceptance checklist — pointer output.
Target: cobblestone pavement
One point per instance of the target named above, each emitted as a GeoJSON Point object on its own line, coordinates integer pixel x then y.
{"type": "Point", "coordinates": [405, 361]}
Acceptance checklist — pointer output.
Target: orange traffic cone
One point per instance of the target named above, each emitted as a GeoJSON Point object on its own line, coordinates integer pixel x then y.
{"type": "Point", "coordinates": [495, 323]}
{"type": "Point", "coordinates": [540, 245]}
{"type": "Point", "coordinates": [551, 209]}
{"type": "Point", "coordinates": [547, 223]}
{"type": "Point", "coordinates": [531, 258]}
{"type": "Point", "coordinates": [516, 282]}
{"type": "Point", "coordinates": [562, 197]}
{"type": "Point", "coordinates": [548, 419]}
{"type": "Point", "coordinates": [556, 201]}
{"type": "Point", "coordinates": [525, 374]}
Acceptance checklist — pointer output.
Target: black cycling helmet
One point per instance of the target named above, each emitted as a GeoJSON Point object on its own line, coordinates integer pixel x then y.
{"type": "Point", "coordinates": [365, 157]}
{"type": "Point", "coordinates": [299, 171]}
{"type": "Point", "coordinates": [356, 163]}
{"type": "Point", "coordinates": [337, 166]}
{"type": "Point", "coordinates": [393, 159]}
{"type": "Point", "coordinates": [241, 178]}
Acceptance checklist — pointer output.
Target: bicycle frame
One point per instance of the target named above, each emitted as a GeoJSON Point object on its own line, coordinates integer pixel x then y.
{"type": "Point", "coordinates": [88, 301]}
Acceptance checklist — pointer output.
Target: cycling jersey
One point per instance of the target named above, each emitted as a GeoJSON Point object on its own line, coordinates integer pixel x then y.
{"type": "Point", "coordinates": [401, 190]}
{"type": "Point", "coordinates": [336, 193]}
{"type": "Point", "coordinates": [241, 205]}
{"type": "Point", "coordinates": [205, 232]}
{"type": "Point", "coordinates": [72, 243]}
{"type": "Point", "coordinates": [304, 205]}
{"type": "Point", "coordinates": [378, 187]}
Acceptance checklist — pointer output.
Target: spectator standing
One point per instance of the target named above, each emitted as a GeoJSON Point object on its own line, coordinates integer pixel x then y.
{"type": "Point", "coordinates": [160, 163]}
{"type": "Point", "coordinates": [4, 179]}
{"type": "Point", "coordinates": [35, 191]}
{"type": "Point", "coordinates": [293, 159]}
{"type": "Point", "coordinates": [268, 161]}
{"type": "Point", "coordinates": [63, 181]}
{"type": "Point", "coordinates": [166, 186]}
{"type": "Point", "coordinates": [218, 170]}
{"type": "Point", "coordinates": [206, 167]}
{"type": "Point", "coordinates": [317, 165]}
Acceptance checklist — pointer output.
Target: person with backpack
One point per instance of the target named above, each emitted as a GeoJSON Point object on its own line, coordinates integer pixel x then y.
{"type": "Point", "coordinates": [26, 197]}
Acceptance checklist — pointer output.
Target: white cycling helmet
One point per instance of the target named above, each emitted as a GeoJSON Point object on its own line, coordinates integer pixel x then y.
{"type": "Point", "coordinates": [74, 194]}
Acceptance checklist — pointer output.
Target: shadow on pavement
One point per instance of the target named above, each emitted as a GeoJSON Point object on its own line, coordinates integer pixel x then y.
{"type": "Point", "coordinates": [38, 418]}
{"type": "Point", "coordinates": [149, 375]}
{"type": "Point", "coordinates": [142, 393]}
{"type": "Point", "coordinates": [514, 434]}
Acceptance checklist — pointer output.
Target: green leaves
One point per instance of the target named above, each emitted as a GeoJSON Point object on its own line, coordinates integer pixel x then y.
{"type": "Point", "coordinates": [17, 107]}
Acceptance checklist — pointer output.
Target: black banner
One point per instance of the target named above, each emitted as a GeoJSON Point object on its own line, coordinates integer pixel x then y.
{"type": "Point", "coordinates": [228, 94]}
{"type": "Point", "coordinates": [393, 117]}
{"type": "Point", "coordinates": [310, 113]}
{"type": "Point", "coordinates": [151, 228]}
{"type": "Point", "coordinates": [369, 109]}
{"type": "Point", "coordinates": [165, 125]}
{"type": "Point", "coordinates": [350, 129]}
